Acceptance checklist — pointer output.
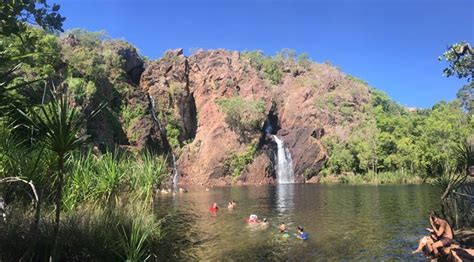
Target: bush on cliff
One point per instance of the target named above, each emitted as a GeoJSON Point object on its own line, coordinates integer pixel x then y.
{"type": "Point", "coordinates": [242, 116]}
{"type": "Point", "coordinates": [238, 161]}
{"type": "Point", "coordinates": [269, 66]}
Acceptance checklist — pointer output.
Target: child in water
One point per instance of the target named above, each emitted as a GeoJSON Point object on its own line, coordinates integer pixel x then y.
{"type": "Point", "coordinates": [301, 234]}
{"type": "Point", "coordinates": [283, 230]}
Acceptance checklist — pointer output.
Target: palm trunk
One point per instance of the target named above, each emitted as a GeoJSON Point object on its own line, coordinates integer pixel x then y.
{"type": "Point", "coordinates": [58, 205]}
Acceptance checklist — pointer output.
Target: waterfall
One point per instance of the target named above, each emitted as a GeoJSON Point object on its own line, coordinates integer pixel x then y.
{"type": "Point", "coordinates": [284, 166]}
{"type": "Point", "coordinates": [175, 180]}
{"type": "Point", "coordinates": [176, 174]}
{"type": "Point", "coordinates": [153, 111]}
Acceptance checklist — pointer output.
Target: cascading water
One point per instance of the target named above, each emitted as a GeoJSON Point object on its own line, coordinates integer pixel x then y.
{"type": "Point", "coordinates": [175, 180]}
{"type": "Point", "coordinates": [153, 111]}
{"type": "Point", "coordinates": [176, 174]}
{"type": "Point", "coordinates": [284, 166]}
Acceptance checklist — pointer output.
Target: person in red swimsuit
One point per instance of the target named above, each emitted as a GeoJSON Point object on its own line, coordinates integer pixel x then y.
{"type": "Point", "coordinates": [214, 208]}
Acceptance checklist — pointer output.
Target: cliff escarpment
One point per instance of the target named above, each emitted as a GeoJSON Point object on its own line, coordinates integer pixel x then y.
{"type": "Point", "coordinates": [220, 109]}
{"type": "Point", "coordinates": [216, 111]}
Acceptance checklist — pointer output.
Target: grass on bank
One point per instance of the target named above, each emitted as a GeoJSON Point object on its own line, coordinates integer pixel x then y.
{"type": "Point", "coordinates": [108, 214]}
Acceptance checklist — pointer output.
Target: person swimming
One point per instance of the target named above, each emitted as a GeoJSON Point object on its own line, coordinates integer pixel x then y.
{"type": "Point", "coordinates": [282, 228]}
{"type": "Point", "coordinates": [252, 219]}
{"type": "Point", "coordinates": [301, 234]}
{"type": "Point", "coordinates": [264, 223]}
{"type": "Point", "coordinates": [214, 208]}
{"type": "Point", "coordinates": [231, 204]}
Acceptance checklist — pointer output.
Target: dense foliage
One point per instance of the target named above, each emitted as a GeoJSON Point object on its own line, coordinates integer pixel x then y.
{"type": "Point", "coordinates": [399, 140]}
{"type": "Point", "coordinates": [418, 141]}
{"type": "Point", "coordinates": [243, 116]}
{"type": "Point", "coordinates": [48, 95]}
{"type": "Point", "coordinates": [238, 161]}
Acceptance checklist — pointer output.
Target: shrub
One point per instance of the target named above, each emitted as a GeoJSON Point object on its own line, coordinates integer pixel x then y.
{"type": "Point", "coordinates": [173, 131]}
{"type": "Point", "coordinates": [270, 67]}
{"type": "Point", "coordinates": [237, 162]}
{"type": "Point", "coordinates": [357, 80]}
{"type": "Point", "coordinates": [81, 89]}
{"type": "Point", "coordinates": [172, 127]}
{"type": "Point", "coordinates": [130, 115]}
{"type": "Point", "coordinates": [304, 61]}
{"type": "Point", "coordinates": [272, 71]}
{"type": "Point", "coordinates": [242, 116]}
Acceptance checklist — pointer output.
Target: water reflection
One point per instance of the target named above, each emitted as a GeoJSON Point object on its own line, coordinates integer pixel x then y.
{"type": "Point", "coordinates": [284, 198]}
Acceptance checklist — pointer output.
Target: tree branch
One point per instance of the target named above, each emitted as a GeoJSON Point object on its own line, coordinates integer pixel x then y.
{"type": "Point", "coordinates": [18, 179]}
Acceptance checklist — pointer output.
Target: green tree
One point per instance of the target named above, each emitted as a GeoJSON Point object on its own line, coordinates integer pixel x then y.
{"type": "Point", "coordinates": [242, 116]}
{"type": "Point", "coordinates": [461, 64]}
{"type": "Point", "coordinates": [460, 59]}
{"type": "Point", "coordinates": [341, 158]}
{"type": "Point", "coordinates": [58, 127]}
{"type": "Point", "coordinates": [15, 15]}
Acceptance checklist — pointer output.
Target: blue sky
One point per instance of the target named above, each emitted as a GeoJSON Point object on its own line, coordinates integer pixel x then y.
{"type": "Point", "coordinates": [392, 44]}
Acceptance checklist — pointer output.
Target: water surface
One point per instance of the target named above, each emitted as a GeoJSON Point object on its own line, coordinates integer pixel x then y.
{"type": "Point", "coordinates": [345, 223]}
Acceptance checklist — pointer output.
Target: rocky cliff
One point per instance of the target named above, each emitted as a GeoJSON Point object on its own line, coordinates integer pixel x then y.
{"type": "Point", "coordinates": [216, 110]}
{"type": "Point", "coordinates": [300, 107]}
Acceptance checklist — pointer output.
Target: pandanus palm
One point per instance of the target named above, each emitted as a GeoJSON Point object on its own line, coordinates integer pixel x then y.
{"type": "Point", "coordinates": [58, 126]}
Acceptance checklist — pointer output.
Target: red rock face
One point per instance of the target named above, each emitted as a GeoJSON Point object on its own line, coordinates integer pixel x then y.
{"type": "Point", "coordinates": [186, 90]}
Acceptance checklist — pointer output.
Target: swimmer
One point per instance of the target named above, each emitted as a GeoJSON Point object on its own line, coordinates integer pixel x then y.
{"type": "Point", "coordinates": [282, 228]}
{"type": "Point", "coordinates": [301, 234]}
{"type": "Point", "coordinates": [231, 204]}
{"type": "Point", "coordinates": [252, 219]}
{"type": "Point", "coordinates": [214, 208]}
{"type": "Point", "coordinates": [264, 224]}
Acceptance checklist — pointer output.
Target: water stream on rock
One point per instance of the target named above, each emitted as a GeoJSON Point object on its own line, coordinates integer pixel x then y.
{"type": "Point", "coordinates": [284, 166]}
{"type": "Point", "coordinates": [176, 174]}
{"type": "Point", "coordinates": [153, 111]}
{"type": "Point", "coordinates": [175, 180]}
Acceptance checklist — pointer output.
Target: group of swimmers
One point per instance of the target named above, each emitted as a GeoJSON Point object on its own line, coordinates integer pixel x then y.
{"type": "Point", "coordinates": [169, 191]}
{"type": "Point", "coordinates": [253, 220]}
{"type": "Point", "coordinates": [301, 234]}
{"type": "Point", "coordinates": [441, 239]}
